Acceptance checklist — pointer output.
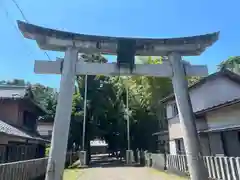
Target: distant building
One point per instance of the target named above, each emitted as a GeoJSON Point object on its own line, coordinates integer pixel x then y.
{"type": "Point", "coordinates": [45, 129]}
{"type": "Point", "coordinates": [98, 146]}
{"type": "Point", "coordinates": [216, 104]}
{"type": "Point", "coordinates": [19, 112]}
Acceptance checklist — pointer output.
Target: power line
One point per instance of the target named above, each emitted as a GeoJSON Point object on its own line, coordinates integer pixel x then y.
{"type": "Point", "coordinates": [25, 18]}
{"type": "Point", "coordinates": [15, 27]}
{"type": "Point", "coordinates": [18, 7]}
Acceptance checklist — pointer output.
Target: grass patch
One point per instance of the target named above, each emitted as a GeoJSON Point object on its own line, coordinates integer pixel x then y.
{"type": "Point", "coordinates": [168, 176]}
{"type": "Point", "coordinates": [47, 149]}
{"type": "Point", "coordinates": [71, 174]}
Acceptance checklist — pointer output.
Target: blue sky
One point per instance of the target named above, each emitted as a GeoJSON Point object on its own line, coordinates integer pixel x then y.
{"type": "Point", "coordinates": [139, 18]}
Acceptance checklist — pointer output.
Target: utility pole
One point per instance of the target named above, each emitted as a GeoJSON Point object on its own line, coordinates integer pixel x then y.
{"type": "Point", "coordinates": [129, 152]}
{"type": "Point", "coordinates": [85, 113]}
{"type": "Point", "coordinates": [127, 117]}
{"type": "Point", "coordinates": [83, 153]}
{"type": "Point", "coordinates": [191, 141]}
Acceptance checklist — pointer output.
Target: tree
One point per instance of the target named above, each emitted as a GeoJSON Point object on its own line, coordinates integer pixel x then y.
{"type": "Point", "coordinates": [232, 63]}
{"type": "Point", "coordinates": [193, 80]}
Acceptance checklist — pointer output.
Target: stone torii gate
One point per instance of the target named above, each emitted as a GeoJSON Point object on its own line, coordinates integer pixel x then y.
{"type": "Point", "coordinates": [126, 49]}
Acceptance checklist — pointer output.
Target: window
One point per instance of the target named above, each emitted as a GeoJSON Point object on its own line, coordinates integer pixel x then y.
{"type": "Point", "coordinates": [29, 120]}
{"type": "Point", "coordinates": [180, 149]}
{"type": "Point", "coordinates": [49, 132]}
{"type": "Point", "coordinates": [175, 109]}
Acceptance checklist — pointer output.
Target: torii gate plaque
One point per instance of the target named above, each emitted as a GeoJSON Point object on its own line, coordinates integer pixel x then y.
{"type": "Point", "coordinates": [126, 49]}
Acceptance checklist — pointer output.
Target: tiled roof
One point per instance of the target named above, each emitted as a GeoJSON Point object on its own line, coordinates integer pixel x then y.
{"type": "Point", "coordinates": [18, 92]}
{"type": "Point", "coordinates": [13, 131]}
{"type": "Point", "coordinates": [217, 106]}
{"type": "Point", "coordinates": [7, 91]}
{"type": "Point", "coordinates": [229, 74]}
{"type": "Point", "coordinates": [218, 129]}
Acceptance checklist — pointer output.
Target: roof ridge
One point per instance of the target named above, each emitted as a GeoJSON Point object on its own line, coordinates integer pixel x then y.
{"type": "Point", "coordinates": [231, 75]}
{"type": "Point", "coordinates": [12, 86]}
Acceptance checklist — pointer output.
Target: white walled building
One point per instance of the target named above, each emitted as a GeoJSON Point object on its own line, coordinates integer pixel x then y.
{"type": "Point", "coordinates": [45, 129]}
{"type": "Point", "coordinates": [216, 104]}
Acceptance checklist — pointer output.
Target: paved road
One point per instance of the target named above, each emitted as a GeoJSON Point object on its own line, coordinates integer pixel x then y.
{"type": "Point", "coordinates": [120, 173]}
{"type": "Point", "coordinates": [104, 168]}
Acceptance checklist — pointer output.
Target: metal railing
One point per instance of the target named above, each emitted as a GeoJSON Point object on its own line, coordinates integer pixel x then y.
{"type": "Point", "coordinates": [23, 170]}
{"type": "Point", "coordinates": [219, 167]}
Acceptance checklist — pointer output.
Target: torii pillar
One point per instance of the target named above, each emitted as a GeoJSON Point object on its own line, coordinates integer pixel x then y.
{"type": "Point", "coordinates": [175, 68]}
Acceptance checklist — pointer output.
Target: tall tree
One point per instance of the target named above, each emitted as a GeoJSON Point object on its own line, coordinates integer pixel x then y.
{"type": "Point", "coordinates": [232, 63]}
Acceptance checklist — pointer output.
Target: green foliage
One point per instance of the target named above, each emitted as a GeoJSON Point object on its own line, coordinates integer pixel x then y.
{"type": "Point", "coordinates": [106, 107]}
{"type": "Point", "coordinates": [47, 150]}
{"type": "Point", "coordinates": [193, 80]}
{"type": "Point", "coordinates": [232, 63]}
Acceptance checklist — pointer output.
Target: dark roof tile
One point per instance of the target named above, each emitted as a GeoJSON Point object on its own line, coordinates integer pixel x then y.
{"type": "Point", "coordinates": [13, 131]}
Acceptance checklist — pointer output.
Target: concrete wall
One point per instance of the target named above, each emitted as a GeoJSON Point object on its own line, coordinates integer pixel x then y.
{"type": "Point", "coordinates": [9, 112]}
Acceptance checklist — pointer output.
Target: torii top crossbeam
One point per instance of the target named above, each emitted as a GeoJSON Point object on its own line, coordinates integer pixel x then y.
{"type": "Point", "coordinates": [50, 39]}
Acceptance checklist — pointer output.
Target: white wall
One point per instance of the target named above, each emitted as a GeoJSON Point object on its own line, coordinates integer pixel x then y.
{"type": "Point", "coordinates": [175, 128]}
{"type": "Point", "coordinates": [172, 146]}
{"type": "Point", "coordinates": [224, 117]}
{"type": "Point", "coordinates": [214, 92]}
{"type": "Point", "coordinates": [43, 129]}
{"type": "Point", "coordinates": [169, 109]}
{"type": "Point", "coordinates": [211, 93]}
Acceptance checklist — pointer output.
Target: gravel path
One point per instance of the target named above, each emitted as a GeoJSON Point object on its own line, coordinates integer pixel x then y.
{"type": "Point", "coordinates": [105, 168]}
{"type": "Point", "coordinates": [119, 173]}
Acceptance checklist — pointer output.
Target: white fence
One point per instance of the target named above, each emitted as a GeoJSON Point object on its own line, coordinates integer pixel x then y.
{"type": "Point", "coordinates": [177, 163]}
{"type": "Point", "coordinates": [23, 170]}
{"type": "Point", "coordinates": [219, 167]}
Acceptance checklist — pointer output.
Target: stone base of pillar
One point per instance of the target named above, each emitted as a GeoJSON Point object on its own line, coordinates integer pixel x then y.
{"type": "Point", "coordinates": [83, 158]}
{"type": "Point", "coordinates": [129, 157]}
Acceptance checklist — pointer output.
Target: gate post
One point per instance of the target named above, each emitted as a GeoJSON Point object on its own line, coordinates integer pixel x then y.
{"type": "Point", "coordinates": [62, 118]}
{"type": "Point", "coordinates": [187, 120]}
